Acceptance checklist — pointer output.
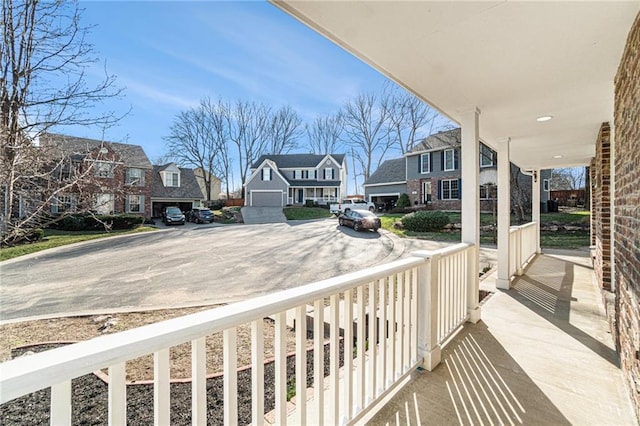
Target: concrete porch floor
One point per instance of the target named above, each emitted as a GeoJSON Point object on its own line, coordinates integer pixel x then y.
{"type": "Point", "coordinates": [542, 354]}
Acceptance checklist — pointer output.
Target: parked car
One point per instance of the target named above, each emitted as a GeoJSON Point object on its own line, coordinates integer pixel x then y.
{"type": "Point", "coordinates": [351, 204]}
{"type": "Point", "coordinates": [173, 216]}
{"type": "Point", "coordinates": [200, 215]}
{"type": "Point", "coordinates": [360, 219]}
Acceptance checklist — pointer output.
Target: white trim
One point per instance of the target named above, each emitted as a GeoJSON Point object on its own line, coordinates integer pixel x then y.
{"type": "Point", "coordinates": [385, 183]}
{"type": "Point", "coordinates": [282, 200]}
{"type": "Point", "coordinates": [444, 160]}
{"type": "Point", "coordinates": [321, 163]}
{"type": "Point", "coordinates": [258, 171]}
{"type": "Point", "coordinates": [422, 164]}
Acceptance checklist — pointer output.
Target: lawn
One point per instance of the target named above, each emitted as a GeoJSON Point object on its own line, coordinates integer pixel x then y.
{"type": "Point", "coordinates": [550, 239]}
{"type": "Point", "coordinates": [53, 238]}
{"type": "Point", "coordinates": [304, 213]}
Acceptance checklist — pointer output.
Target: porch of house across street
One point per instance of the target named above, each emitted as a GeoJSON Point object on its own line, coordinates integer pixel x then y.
{"type": "Point", "coordinates": [537, 350]}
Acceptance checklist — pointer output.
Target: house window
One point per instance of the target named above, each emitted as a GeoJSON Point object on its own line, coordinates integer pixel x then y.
{"type": "Point", "coordinates": [328, 173]}
{"type": "Point", "coordinates": [135, 204]}
{"type": "Point", "coordinates": [545, 185]}
{"type": "Point", "coordinates": [426, 192]}
{"type": "Point", "coordinates": [297, 174]}
{"type": "Point", "coordinates": [266, 173]}
{"type": "Point", "coordinates": [63, 203]}
{"type": "Point", "coordinates": [135, 177]}
{"type": "Point", "coordinates": [449, 160]}
{"type": "Point", "coordinates": [103, 169]}
{"type": "Point", "coordinates": [103, 203]}
{"type": "Point", "coordinates": [449, 189]}
{"type": "Point", "coordinates": [172, 179]}
{"type": "Point", "coordinates": [486, 156]}
{"type": "Point", "coordinates": [488, 192]}
{"type": "Point", "coordinates": [425, 163]}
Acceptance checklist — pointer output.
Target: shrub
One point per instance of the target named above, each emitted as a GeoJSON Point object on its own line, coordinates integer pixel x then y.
{"type": "Point", "coordinates": [98, 222]}
{"type": "Point", "coordinates": [308, 203]}
{"type": "Point", "coordinates": [403, 201]}
{"type": "Point", "coordinates": [216, 204]}
{"type": "Point", "coordinates": [425, 221]}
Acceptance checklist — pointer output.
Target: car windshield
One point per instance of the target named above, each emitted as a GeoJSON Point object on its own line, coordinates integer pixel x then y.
{"type": "Point", "coordinates": [365, 213]}
{"type": "Point", "coordinates": [173, 210]}
{"type": "Point", "coordinates": [205, 211]}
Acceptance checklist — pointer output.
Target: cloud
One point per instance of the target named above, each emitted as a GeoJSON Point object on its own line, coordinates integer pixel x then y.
{"type": "Point", "coordinates": [158, 96]}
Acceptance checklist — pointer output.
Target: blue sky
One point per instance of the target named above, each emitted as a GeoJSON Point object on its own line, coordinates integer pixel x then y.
{"type": "Point", "coordinates": [169, 55]}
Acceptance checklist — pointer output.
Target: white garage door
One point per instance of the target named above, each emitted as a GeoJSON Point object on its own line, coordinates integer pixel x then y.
{"type": "Point", "coordinates": [266, 199]}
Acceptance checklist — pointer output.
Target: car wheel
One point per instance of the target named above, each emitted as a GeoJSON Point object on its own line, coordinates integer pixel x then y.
{"type": "Point", "coordinates": [371, 209]}
{"type": "Point", "coordinates": [357, 226]}
{"type": "Point", "coordinates": [375, 229]}
{"type": "Point", "coordinates": [340, 222]}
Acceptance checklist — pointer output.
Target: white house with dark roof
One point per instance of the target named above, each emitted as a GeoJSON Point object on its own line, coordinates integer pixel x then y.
{"type": "Point", "coordinates": [289, 179]}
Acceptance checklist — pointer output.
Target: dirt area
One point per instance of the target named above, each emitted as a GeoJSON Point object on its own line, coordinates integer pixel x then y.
{"type": "Point", "coordinates": [88, 327]}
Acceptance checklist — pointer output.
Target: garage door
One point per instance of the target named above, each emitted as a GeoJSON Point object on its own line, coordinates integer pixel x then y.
{"type": "Point", "coordinates": [266, 199]}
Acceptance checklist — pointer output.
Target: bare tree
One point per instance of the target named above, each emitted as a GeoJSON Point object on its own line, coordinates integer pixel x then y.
{"type": "Point", "coordinates": [196, 137]}
{"type": "Point", "coordinates": [44, 56]}
{"type": "Point", "coordinates": [248, 124]}
{"type": "Point", "coordinates": [366, 130]}
{"type": "Point", "coordinates": [568, 178]}
{"type": "Point", "coordinates": [284, 131]}
{"type": "Point", "coordinates": [324, 134]}
{"type": "Point", "coordinates": [410, 119]}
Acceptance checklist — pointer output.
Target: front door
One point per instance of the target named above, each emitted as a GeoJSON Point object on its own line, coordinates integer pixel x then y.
{"type": "Point", "coordinates": [300, 195]}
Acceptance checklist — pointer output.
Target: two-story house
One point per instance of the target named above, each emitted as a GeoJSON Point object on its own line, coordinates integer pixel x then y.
{"type": "Point", "coordinates": [110, 177]}
{"type": "Point", "coordinates": [289, 179]}
{"type": "Point", "coordinates": [430, 175]}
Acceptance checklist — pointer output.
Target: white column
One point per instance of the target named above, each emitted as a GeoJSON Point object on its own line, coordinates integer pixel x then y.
{"type": "Point", "coordinates": [470, 153]}
{"type": "Point", "coordinates": [535, 208]}
{"type": "Point", "coordinates": [504, 213]}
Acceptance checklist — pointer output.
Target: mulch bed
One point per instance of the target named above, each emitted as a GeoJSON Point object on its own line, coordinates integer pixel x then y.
{"type": "Point", "coordinates": [89, 400]}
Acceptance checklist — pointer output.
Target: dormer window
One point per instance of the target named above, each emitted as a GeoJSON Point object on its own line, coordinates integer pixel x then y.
{"type": "Point", "coordinates": [172, 179]}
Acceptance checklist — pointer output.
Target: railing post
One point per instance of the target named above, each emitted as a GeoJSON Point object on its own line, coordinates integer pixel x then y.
{"type": "Point", "coordinates": [473, 285]}
{"type": "Point", "coordinates": [428, 273]}
{"type": "Point", "coordinates": [519, 259]}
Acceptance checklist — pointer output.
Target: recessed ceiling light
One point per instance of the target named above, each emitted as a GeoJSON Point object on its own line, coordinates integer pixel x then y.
{"type": "Point", "coordinates": [557, 156]}
{"type": "Point", "coordinates": [544, 118]}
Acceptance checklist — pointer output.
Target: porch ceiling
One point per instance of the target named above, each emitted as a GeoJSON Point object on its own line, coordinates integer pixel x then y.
{"type": "Point", "coordinates": [515, 61]}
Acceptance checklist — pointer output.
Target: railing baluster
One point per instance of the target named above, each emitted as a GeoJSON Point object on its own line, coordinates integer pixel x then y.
{"type": "Point", "coordinates": [407, 321]}
{"type": "Point", "coordinates": [400, 330]}
{"type": "Point", "coordinates": [382, 336]}
{"type": "Point", "coordinates": [414, 315]}
{"type": "Point", "coordinates": [334, 367]}
{"type": "Point", "coordinates": [301, 365]}
{"type": "Point", "coordinates": [280, 346]}
{"type": "Point", "coordinates": [348, 354]}
{"type": "Point", "coordinates": [371, 370]}
{"type": "Point", "coordinates": [318, 361]}
{"type": "Point", "coordinates": [360, 379]}
{"type": "Point", "coordinates": [117, 411]}
{"type": "Point", "coordinates": [61, 403]}
{"type": "Point", "coordinates": [199, 381]}
{"type": "Point", "coordinates": [161, 406]}
{"type": "Point", "coordinates": [230, 369]}
{"type": "Point", "coordinates": [391, 370]}
{"type": "Point", "coordinates": [257, 372]}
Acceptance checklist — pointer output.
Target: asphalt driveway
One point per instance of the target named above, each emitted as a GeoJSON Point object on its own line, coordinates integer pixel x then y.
{"type": "Point", "coordinates": [184, 266]}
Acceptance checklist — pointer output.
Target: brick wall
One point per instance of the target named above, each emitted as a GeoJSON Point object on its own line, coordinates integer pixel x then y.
{"type": "Point", "coordinates": [627, 211]}
{"type": "Point", "coordinates": [601, 207]}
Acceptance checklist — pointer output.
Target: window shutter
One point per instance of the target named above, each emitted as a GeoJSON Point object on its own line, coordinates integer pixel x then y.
{"type": "Point", "coordinates": [442, 165]}
{"type": "Point", "coordinates": [126, 204]}
{"type": "Point", "coordinates": [333, 172]}
{"type": "Point", "coordinates": [324, 173]}
{"type": "Point", "coordinates": [262, 174]}
{"type": "Point", "coordinates": [439, 190]}
{"type": "Point", "coordinates": [455, 159]}
{"type": "Point", "coordinates": [459, 188]}
{"type": "Point", "coordinates": [430, 163]}
{"type": "Point", "coordinates": [420, 163]}
{"type": "Point", "coordinates": [142, 204]}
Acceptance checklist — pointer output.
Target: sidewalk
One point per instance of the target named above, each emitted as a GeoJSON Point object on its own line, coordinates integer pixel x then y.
{"type": "Point", "coordinates": [541, 354]}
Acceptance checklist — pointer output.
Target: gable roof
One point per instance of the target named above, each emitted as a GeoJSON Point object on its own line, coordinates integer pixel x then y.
{"type": "Point", "coordinates": [442, 140]}
{"type": "Point", "coordinates": [188, 188]}
{"type": "Point", "coordinates": [131, 155]}
{"type": "Point", "coordinates": [390, 171]}
{"type": "Point", "coordinates": [291, 161]}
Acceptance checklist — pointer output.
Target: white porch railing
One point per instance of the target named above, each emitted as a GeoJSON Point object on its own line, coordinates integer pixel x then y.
{"type": "Point", "coordinates": [522, 245]}
{"type": "Point", "coordinates": [413, 306]}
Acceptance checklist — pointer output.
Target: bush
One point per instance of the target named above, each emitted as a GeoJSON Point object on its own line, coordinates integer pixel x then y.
{"type": "Point", "coordinates": [308, 203]}
{"type": "Point", "coordinates": [425, 221]}
{"type": "Point", "coordinates": [98, 222]}
{"type": "Point", "coordinates": [216, 204]}
{"type": "Point", "coordinates": [403, 201]}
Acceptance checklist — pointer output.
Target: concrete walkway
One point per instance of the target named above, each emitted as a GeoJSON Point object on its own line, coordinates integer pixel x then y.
{"type": "Point", "coordinates": [257, 215]}
{"type": "Point", "coordinates": [541, 354]}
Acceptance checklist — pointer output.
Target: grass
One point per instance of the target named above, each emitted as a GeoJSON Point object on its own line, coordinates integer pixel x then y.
{"type": "Point", "coordinates": [303, 213]}
{"type": "Point", "coordinates": [548, 239]}
{"type": "Point", "coordinates": [54, 238]}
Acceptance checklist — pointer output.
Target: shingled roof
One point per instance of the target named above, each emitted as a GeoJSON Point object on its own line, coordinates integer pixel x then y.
{"type": "Point", "coordinates": [188, 188]}
{"type": "Point", "coordinates": [131, 155]}
{"type": "Point", "coordinates": [390, 171]}
{"type": "Point", "coordinates": [441, 140]}
{"type": "Point", "coordinates": [291, 161]}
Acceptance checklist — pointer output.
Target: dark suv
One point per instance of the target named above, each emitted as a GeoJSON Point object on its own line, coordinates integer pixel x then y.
{"type": "Point", "coordinates": [172, 216]}
{"type": "Point", "coordinates": [200, 215]}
